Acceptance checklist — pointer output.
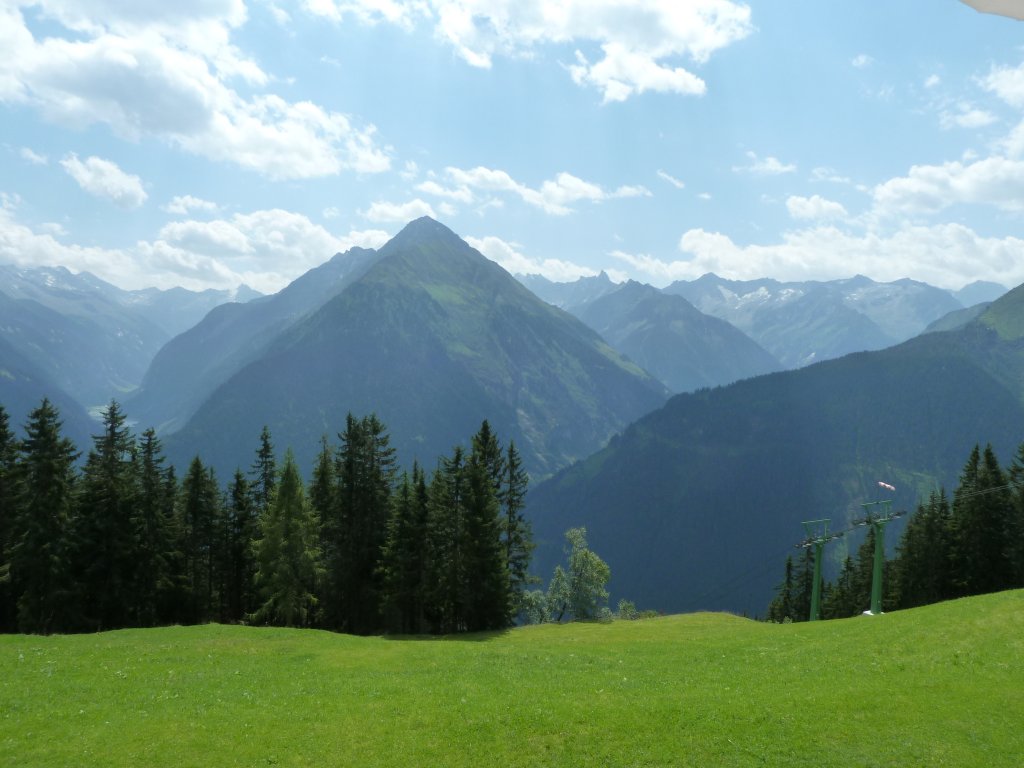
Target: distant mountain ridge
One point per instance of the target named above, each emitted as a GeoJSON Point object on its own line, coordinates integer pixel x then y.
{"type": "Point", "coordinates": [696, 505]}
{"type": "Point", "coordinates": [673, 340]}
{"type": "Point", "coordinates": [805, 322]}
{"type": "Point", "coordinates": [193, 364]}
{"type": "Point", "coordinates": [433, 338]}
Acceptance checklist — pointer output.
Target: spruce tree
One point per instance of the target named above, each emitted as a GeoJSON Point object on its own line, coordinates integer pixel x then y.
{"type": "Point", "coordinates": [7, 509]}
{"type": "Point", "coordinates": [404, 558]}
{"type": "Point", "coordinates": [982, 527]}
{"type": "Point", "coordinates": [354, 531]}
{"type": "Point", "coordinates": [105, 535]}
{"type": "Point", "coordinates": [446, 574]}
{"type": "Point", "coordinates": [287, 554]}
{"type": "Point", "coordinates": [323, 490]}
{"type": "Point", "coordinates": [41, 557]}
{"type": "Point", "coordinates": [839, 601]}
{"type": "Point", "coordinates": [486, 598]}
{"type": "Point", "coordinates": [803, 585]}
{"type": "Point", "coordinates": [264, 473]}
{"type": "Point", "coordinates": [781, 607]}
{"type": "Point", "coordinates": [1015, 476]}
{"type": "Point", "coordinates": [175, 604]}
{"type": "Point", "coordinates": [152, 519]}
{"type": "Point", "coordinates": [242, 530]}
{"type": "Point", "coordinates": [517, 534]}
{"type": "Point", "coordinates": [200, 509]}
{"type": "Point", "coordinates": [922, 556]}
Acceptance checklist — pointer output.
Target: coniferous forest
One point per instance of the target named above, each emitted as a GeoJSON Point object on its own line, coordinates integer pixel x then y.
{"type": "Point", "coordinates": [119, 540]}
{"type": "Point", "coordinates": [970, 546]}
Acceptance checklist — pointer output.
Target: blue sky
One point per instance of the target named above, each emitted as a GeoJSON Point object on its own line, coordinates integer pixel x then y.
{"type": "Point", "coordinates": [206, 143]}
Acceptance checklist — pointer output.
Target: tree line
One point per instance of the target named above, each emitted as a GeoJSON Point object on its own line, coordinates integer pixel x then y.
{"type": "Point", "coordinates": [970, 545]}
{"type": "Point", "coordinates": [121, 541]}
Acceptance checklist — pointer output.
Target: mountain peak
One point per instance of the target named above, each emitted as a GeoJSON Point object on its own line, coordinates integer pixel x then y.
{"type": "Point", "coordinates": [424, 227]}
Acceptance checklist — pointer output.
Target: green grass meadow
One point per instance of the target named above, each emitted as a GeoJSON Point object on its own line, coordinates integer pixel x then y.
{"type": "Point", "coordinates": [936, 686]}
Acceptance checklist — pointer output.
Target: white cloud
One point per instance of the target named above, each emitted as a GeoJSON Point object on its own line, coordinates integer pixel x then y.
{"type": "Point", "coordinates": [1007, 83]}
{"type": "Point", "coordinates": [511, 258]}
{"type": "Point", "coordinates": [264, 249]}
{"type": "Point", "coordinates": [767, 166]}
{"type": "Point", "coordinates": [554, 196]}
{"type": "Point", "coordinates": [814, 207]}
{"type": "Point", "coordinates": [182, 205]}
{"type": "Point", "coordinates": [165, 70]}
{"type": "Point", "coordinates": [384, 212]}
{"type": "Point", "coordinates": [932, 81]}
{"type": "Point", "coordinates": [637, 40]}
{"type": "Point", "coordinates": [823, 173]}
{"type": "Point", "coordinates": [622, 73]}
{"type": "Point", "coordinates": [102, 178]}
{"type": "Point", "coordinates": [862, 60]}
{"type": "Point", "coordinates": [995, 181]}
{"type": "Point", "coordinates": [54, 228]}
{"type": "Point", "coordinates": [32, 157]}
{"type": "Point", "coordinates": [462, 194]}
{"type": "Point", "coordinates": [671, 180]}
{"type": "Point", "coordinates": [410, 171]}
{"type": "Point", "coordinates": [966, 116]}
{"type": "Point", "coordinates": [21, 245]}
{"type": "Point", "coordinates": [279, 14]}
{"type": "Point", "coordinates": [947, 255]}
{"type": "Point", "coordinates": [704, 195]}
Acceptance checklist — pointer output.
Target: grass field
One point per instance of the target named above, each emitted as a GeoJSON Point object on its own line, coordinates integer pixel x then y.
{"type": "Point", "coordinates": [942, 685]}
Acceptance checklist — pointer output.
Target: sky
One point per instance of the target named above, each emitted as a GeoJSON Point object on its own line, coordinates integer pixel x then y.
{"type": "Point", "coordinates": [209, 143]}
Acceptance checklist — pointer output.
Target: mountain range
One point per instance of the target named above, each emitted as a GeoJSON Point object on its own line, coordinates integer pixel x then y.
{"type": "Point", "coordinates": [697, 504]}
{"type": "Point", "coordinates": [669, 337]}
{"type": "Point", "coordinates": [433, 338]}
{"type": "Point", "coordinates": [694, 502]}
{"type": "Point", "coordinates": [84, 341]}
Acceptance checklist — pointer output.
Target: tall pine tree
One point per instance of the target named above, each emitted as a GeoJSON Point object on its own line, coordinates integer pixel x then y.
{"type": "Point", "coordinates": [241, 532]}
{"type": "Point", "coordinates": [201, 509]}
{"type": "Point", "coordinates": [288, 555]}
{"type": "Point", "coordinates": [355, 529]}
{"type": "Point", "coordinates": [105, 535]}
{"type": "Point", "coordinates": [446, 522]}
{"type": "Point", "coordinates": [152, 523]}
{"type": "Point", "coordinates": [404, 557]}
{"type": "Point", "coordinates": [7, 509]}
{"type": "Point", "coordinates": [41, 558]}
{"type": "Point", "coordinates": [517, 535]}
{"type": "Point", "coordinates": [487, 600]}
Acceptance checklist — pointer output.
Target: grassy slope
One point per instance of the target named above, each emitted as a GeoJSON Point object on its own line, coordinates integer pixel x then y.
{"type": "Point", "coordinates": [934, 686]}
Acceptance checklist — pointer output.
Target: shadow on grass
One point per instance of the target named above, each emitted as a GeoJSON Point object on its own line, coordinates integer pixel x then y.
{"type": "Point", "coordinates": [464, 637]}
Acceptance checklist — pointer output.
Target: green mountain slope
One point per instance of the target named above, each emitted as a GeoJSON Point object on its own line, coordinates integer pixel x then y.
{"type": "Point", "coordinates": [192, 365]}
{"type": "Point", "coordinates": [696, 505]}
{"type": "Point", "coordinates": [676, 342]}
{"type": "Point", "coordinates": [434, 338]}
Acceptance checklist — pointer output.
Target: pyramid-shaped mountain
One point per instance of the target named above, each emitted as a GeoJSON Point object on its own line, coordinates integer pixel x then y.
{"type": "Point", "coordinates": [433, 338]}
{"type": "Point", "coordinates": [696, 505]}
